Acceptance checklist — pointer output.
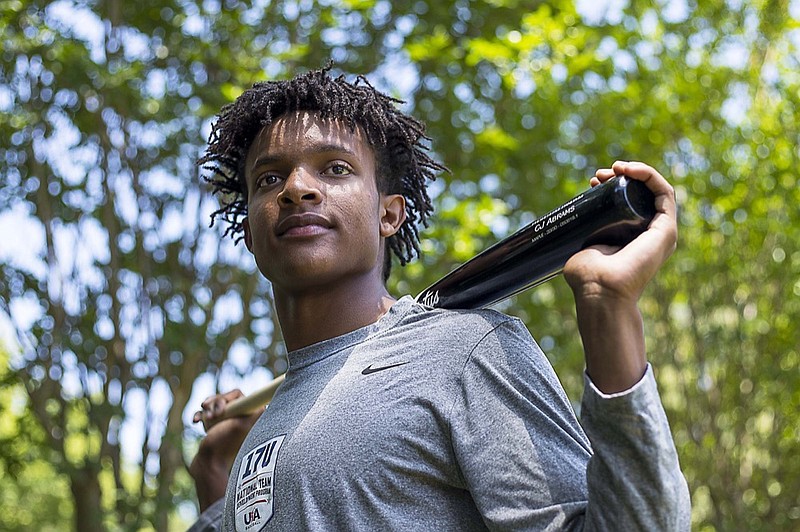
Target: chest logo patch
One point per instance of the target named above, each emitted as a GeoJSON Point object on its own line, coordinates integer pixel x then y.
{"type": "Point", "coordinates": [255, 486]}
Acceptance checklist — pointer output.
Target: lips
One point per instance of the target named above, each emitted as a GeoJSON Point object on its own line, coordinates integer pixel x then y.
{"type": "Point", "coordinates": [302, 224]}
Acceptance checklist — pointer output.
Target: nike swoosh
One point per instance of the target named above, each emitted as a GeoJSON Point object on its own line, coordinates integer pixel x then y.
{"type": "Point", "coordinates": [369, 369]}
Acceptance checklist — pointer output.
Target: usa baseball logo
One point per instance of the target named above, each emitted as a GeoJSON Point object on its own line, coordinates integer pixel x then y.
{"type": "Point", "coordinates": [255, 486]}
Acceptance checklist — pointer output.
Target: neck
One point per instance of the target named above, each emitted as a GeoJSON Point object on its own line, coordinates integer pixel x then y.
{"type": "Point", "coordinates": [312, 316]}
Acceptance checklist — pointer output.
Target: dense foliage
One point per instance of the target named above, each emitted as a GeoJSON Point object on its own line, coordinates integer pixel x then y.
{"type": "Point", "coordinates": [123, 308]}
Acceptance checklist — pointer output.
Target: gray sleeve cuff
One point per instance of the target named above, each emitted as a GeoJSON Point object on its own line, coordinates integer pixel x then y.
{"type": "Point", "coordinates": [635, 465]}
{"type": "Point", "coordinates": [211, 519]}
{"type": "Point", "coordinates": [633, 390]}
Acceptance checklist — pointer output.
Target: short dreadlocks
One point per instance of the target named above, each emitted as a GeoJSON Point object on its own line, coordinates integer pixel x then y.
{"type": "Point", "coordinates": [403, 166]}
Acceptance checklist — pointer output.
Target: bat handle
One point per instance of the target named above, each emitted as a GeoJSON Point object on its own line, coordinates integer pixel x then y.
{"type": "Point", "coordinates": [250, 404]}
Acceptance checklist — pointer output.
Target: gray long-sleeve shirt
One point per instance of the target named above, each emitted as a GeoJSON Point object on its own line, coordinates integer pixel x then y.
{"type": "Point", "coordinates": [451, 420]}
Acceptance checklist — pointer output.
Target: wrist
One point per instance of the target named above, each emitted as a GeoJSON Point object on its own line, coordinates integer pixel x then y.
{"type": "Point", "coordinates": [596, 294]}
{"type": "Point", "coordinates": [612, 332]}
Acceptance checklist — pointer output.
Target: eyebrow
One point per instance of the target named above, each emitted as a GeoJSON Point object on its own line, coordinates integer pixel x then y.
{"type": "Point", "coordinates": [313, 149]}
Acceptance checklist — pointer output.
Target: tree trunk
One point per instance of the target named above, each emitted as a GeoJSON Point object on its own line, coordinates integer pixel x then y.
{"type": "Point", "coordinates": [86, 494]}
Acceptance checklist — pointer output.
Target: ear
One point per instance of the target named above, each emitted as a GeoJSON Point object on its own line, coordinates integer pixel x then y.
{"type": "Point", "coordinates": [248, 238]}
{"type": "Point", "coordinates": [393, 213]}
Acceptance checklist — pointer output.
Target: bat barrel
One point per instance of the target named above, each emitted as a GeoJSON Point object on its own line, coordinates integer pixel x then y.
{"type": "Point", "coordinates": [614, 212]}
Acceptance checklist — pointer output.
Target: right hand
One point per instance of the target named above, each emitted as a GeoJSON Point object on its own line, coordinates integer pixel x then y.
{"type": "Point", "coordinates": [215, 456]}
{"type": "Point", "coordinates": [213, 408]}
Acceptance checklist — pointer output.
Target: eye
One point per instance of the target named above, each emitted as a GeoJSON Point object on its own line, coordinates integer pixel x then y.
{"type": "Point", "coordinates": [266, 180]}
{"type": "Point", "coordinates": [339, 168]}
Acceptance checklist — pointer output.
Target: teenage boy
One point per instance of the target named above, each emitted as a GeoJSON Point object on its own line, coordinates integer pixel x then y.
{"type": "Point", "coordinates": [397, 416]}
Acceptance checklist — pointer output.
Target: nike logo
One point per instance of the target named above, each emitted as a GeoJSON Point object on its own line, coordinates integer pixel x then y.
{"type": "Point", "coordinates": [369, 369]}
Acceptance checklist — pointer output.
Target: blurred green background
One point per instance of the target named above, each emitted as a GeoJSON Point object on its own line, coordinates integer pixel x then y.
{"type": "Point", "coordinates": [121, 308]}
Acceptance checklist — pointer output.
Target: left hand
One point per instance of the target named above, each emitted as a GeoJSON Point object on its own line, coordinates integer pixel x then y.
{"type": "Point", "coordinates": [622, 273]}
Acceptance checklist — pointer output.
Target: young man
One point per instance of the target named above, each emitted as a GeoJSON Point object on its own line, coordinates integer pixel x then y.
{"type": "Point", "coordinates": [397, 416]}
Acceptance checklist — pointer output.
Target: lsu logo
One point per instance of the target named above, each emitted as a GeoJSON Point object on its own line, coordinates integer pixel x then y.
{"type": "Point", "coordinates": [255, 486]}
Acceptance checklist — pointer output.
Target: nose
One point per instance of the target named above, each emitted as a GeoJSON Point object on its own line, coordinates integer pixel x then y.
{"type": "Point", "coordinates": [300, 186]}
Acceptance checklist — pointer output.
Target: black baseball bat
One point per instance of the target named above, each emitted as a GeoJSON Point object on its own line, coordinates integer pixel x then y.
{"type": "Point", "coordinates": [614, 213]}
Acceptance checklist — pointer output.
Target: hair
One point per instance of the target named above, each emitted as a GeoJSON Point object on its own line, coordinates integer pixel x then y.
{"type": "Point", "coordinates": [403, 165]}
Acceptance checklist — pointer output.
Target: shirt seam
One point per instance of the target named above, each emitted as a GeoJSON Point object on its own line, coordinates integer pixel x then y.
{"type": "Point", "coordinates": [459, 385]}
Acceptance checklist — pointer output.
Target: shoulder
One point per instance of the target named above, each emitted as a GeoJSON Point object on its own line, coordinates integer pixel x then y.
{"type": "Point", "coordinates": [454, 339]}
{"type": "Point", "coordinates": [462, 331]}
{"type": "Point", "coordinates": [469, 324]}
{"type": "Point", "coordinates": [486, 342]}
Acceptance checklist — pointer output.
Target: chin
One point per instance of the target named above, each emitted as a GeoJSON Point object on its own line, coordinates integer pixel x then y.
{"type": "Point", "coordinates": [305, 276]}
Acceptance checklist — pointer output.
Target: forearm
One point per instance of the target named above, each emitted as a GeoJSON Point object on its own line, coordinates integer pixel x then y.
{"type": "Point", "coordinates": [613, 341]}
{"type": "Point", "coordinates": [217, 452]}
{"type": "Point", "coordinates": [211, 480]}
